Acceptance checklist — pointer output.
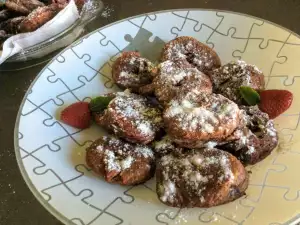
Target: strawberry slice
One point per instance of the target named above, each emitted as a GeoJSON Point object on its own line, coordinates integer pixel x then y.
{"type": "Point", "coordinates": [275, 102]}
{"type": "Point", "coordinates": [77, 115]}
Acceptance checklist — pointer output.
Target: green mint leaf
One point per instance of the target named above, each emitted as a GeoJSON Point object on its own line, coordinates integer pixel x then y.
{"type": "Point", "coordinates": [100, 103]}
{"type": "Point", "coordinates": [249, 95]}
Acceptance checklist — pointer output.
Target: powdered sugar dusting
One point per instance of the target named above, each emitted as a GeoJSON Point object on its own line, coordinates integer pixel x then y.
{"type": "Point", "coordinates": [119, 155]}
{"type": "Point", "coordinates": [176, 77]}
{"type": "Point", "coordinates": [225, 164]}
{"type": "Point", "coordinates": [197, 170]}
{"type": "Point", "coordinates": [126, 163]}
{"type": "Point", "coordinates": [196, 160]}
{"type": "Point", "coordinates": [144, 151]}
{"type": "Point", "coordinates": [255, 136]}
{"type": "Point", "coordinates": [194, 52]}
{"type": "Point", "coordinates": [163, 144]}
{"type": "Point", "coordinates": [206, 113]}
{"type": "Point", "coordinates": [132, 70]}
{"type": "Point", "coordinates": [111, 161]}
{"type": "Point", "coordinates": [145, 128]}
{"type": "Point", "coordinates": [169, 191]}
{"type": "Point", "coordinates": [211, 144]}
{"type": "Point", "coordinates": [251, 150]}
{"type": "Point", "coordinates": [128, 78]}
{"type": "Point", "coordinates": [229, 78]}
{"type": "Point", "coordinates": [144, 118]}
{"type": "Point", "coordinates": [166, 146]}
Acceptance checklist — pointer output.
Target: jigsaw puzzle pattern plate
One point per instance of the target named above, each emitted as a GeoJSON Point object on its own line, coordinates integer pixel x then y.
{"type": "Point", "coordinates": [52, 154]}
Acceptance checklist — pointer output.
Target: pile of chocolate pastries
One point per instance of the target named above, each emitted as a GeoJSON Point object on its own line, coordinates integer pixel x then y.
{"type": "Point", "coordinates": [185, 122]}
{"type": "Point", "coordinates": [22, 16]}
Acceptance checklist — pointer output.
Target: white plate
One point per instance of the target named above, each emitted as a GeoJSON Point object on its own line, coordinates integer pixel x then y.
{"type": "Point", "coordinates": [51, 155]}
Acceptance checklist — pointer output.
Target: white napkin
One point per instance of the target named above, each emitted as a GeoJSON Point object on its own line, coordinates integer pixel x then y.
{"type": "Point", "coordinates": [63, 20]}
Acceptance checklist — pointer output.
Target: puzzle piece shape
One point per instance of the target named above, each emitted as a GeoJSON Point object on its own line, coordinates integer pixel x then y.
{"type": "Point", "coordinates": [77, 221]}
{"type": "Point", "coordinates": [182, 14]}
{"type": "Point", "coordinates": [286, 79]}
{"type": "Point", "coordinates": [151, 184]}
{"type": "Point", "coordinates": [54, 111]}
{"type": "Point", "coordinates": [23, 153]}
{"type": "Point", "coordinates": [96, 86]}
{"type": "Point", "coordinates": [103, 193]}
{"type": "Point", "coordinates": [260, 171]}
{"type": "Point", "coordinates": [20, 135]}
{"type": "Point", "coordinates": [234, 212]}
{"type": "Point", "coordinates": [107, 219]}
{"type": "Point", "coordinates": [110, 33]}
{"type": "Point", "coordinates": [230, 213]}
{"type": "Point", "coordinates": [291, 67]}
{"type": "Point", "coordinates": [253, 195]}
{"type": "Point", "coordinates": [271, 200]}
{"type": "Point", "coordinates": [150, 47]}
{"type": "Point", "coordinates": [87, 136]}
{"type": "Point", "coordinates": [167, 216]}
{"type": "Point", "coordinates": [262, 58]}
{"type": "Point", "coordinates": [198, 25]}
{"type": "Point", "coordinates": [28, 107]}
{"type": "Point", "coordinates": [65, 71]}
{"type": "Point", "coordinates": [151, 17]}
{"type": "Point", "coordinates": [73, 203]}
{"type": "Point", "coordinates": [242, 24]}
{"type": "Point", "coordinates": [267, 32]}
{"type": "Point", "coordinates": [209, 217]}
{"type": "Point", "coordinates": [138, 21]}
{"type": "Point", "coordinates": [205, 18]}
{"type": "Point", "coordinates": [167, 20]}
{"type": "Point", "coordinates": [288, 130]}
{"type": "Point", "coordinates": [39, 96]}
{"type": "Point", "coordinates": [293, 39]}
{"type": "Point", "coordinates": [30, 129]}
{"type": "Point", "coordinates": [196, 216]}
{"type": "Point", "coordinates": [63, 161]}
{"type": "Point", "coordinates": [225, 51]}
{"type": "Point", "coordinates": [80, 137]}
{"type": "Point", "coordinates": [279, 83]}
{"type": "Point", "coordinates": [287, 178]}
{"type": "Point", "coordinates": [39, 181]}
{"type": "Point", "coordinates": [106, 75]}
{"type": "Point", "coordinates": [100, 53]}
{"type": "Point", "coordinates": [145, 203]}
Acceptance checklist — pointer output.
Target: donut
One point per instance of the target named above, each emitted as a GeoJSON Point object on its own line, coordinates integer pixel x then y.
{"type": "Point", "coordinates": [200, 178]}
{"type": "Point", "coordinates": [193, 119]}
{"type": "Point", "coordinates": [131, 117]}
{"type": "Point", "coordinates": [132, 71]}
{"type": "Point", "coordinates": [120, 162]}
{"type": "Point", "coordinates": [256, 140]}
{"type": "Point", "coordinates": [193, 51]}
{"type": "Point", "coordinates": [6, 14]}
{"type": "Point", "coordinates": [230, 77]}
{"type": "Point", "coordinates": [177, 76]}
{"type": "Point", "coordinates": [23, 7]}
{"type": "Point", "coordinates": [38, 18]}
{"type": "Point", "coordinates": [11, 26]}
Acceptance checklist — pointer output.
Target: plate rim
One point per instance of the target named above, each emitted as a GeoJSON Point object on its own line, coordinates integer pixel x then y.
{"type": "Point", "coordinates": [22, 169]}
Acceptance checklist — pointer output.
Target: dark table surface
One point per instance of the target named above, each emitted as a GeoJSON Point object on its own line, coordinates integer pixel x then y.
{"type": "Point", "coordinates": [17, 204]}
